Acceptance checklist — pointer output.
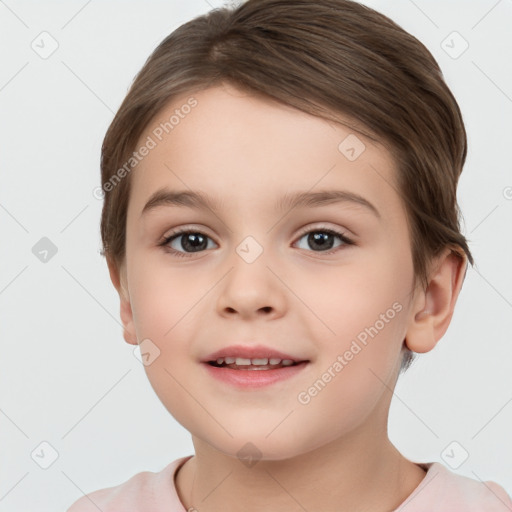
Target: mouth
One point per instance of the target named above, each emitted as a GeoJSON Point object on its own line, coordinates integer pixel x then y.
{"type": "Point", "coordinates": [252, 367]}
{"type": "Point", "coordinates": [241, 363]}
{"type": "Point", "coordinates": [254, 373]}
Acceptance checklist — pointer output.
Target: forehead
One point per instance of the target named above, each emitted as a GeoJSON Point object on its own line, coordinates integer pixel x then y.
{"type": "Point", "coordinates": [233, 145]}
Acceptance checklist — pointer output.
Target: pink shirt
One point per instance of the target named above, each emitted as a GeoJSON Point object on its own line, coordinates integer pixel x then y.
{"type": "Point", "coordinates": [440, 491]}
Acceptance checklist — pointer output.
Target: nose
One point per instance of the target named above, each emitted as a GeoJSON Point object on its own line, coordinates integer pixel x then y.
{"type": "Point", "coordinates": [251, 290]}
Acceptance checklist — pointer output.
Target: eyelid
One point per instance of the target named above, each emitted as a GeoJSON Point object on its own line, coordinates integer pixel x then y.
{"type": "Point", "coordinates": [306, 229]}
{"type": "Point", "coordinates": [326, 227]}
{"type": "Point", "coordinates": [340, 233]}
{"type": "Point", "coordinates": [184, 229]}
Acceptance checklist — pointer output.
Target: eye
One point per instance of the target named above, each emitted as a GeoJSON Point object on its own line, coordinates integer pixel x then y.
{"type": "Point", "coordinates": [188, 240]}
{"type": "Point", "coordinates": [322, 239]}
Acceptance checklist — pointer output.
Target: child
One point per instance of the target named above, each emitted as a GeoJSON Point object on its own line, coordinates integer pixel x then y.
{"type": "Point", "coordinates": [252, 137]}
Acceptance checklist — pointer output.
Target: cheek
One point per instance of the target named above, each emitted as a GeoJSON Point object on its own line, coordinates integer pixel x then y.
{"type": "Point", "coordinates": [163, 299]}
{"type": "Point", "coordinates": [165, 304]}
{"type": "Point", "coordinates": [355, 369]}
{"type": "Point", "coordinates": [364, 319]}
{"type": "Point", "coordinates": [355, 301]}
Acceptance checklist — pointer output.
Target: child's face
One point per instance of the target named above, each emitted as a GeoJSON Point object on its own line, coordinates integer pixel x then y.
{"type": "Point", "coordinates": [247, 155]}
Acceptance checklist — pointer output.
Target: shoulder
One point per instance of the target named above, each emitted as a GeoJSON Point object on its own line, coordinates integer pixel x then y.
{"type": "Point", "coordinates": [445, 491]}
{"type": "Point", "coordinates": [145, 491]}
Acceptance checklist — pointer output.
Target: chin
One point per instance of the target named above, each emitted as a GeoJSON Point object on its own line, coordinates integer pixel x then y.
{"type": "Point", "coordinates": [254, 446]}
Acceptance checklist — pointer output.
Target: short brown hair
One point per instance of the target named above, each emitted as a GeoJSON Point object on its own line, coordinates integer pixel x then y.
{"type": "Point", "coordinates": [326, 58]}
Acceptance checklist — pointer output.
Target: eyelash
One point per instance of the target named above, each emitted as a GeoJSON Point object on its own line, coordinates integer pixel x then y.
{"type": "Point", "coordinates": [164, 243]}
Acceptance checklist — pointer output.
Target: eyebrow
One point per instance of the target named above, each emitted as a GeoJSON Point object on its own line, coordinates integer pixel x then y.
{"type": "Point", "coordinates": [200, 200]}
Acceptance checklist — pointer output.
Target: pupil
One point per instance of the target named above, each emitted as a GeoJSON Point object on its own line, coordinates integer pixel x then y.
{"type": "Point", "coordinates": [194, 241]}
{"type": "Point", "coordinates": [321, 240]}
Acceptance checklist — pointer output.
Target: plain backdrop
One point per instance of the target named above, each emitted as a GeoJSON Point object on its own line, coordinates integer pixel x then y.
{"type": "Point", "coordinates": [68, 379]}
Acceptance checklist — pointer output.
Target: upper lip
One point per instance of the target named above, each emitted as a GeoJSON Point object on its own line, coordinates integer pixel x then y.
{"type": "Point", "coordinates": [250, 352]}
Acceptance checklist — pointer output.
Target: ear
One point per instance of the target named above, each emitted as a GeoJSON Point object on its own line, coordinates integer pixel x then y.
{"type": "Point", "coordinates": [433, 308]}
{"type": "Point", "coordinates": [118, 278]}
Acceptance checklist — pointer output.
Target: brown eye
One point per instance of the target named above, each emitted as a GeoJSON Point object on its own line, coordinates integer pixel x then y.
{"type": "Point", "coordinates": [322, 240]}
{"type": "Point", "coordinates": [183, 243]}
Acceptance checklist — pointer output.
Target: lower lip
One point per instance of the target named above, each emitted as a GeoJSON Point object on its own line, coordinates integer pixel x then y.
{"type": "Point", "coordinates": [254, 378]}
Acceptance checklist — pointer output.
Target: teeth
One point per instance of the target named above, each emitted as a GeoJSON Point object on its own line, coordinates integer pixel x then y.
{"type": "Point", "coordinates": [242, 361]}
{"type": "Point", "coordinates": [259, 361]}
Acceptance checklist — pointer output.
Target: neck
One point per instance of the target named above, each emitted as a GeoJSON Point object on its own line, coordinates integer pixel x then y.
{"type": "Point", "coordinates": [362, 471]}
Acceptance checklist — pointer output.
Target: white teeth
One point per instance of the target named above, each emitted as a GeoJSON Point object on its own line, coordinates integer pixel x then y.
{"type": "Point", "coordinates": [264, 361]}
{"type": "Point", "coordinates": [259, 361]}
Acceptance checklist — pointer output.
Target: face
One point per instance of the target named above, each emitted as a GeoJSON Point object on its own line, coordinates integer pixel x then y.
{"type": "Point", "coordinates": [326, 281]}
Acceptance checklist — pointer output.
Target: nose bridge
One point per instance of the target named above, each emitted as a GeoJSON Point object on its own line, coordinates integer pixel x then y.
{"type": "Point", "coordinates": [250, 287]}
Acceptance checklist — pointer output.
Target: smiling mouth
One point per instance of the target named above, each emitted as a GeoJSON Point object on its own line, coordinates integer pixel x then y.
{"type": "Point", "coordinates": [240, 363]}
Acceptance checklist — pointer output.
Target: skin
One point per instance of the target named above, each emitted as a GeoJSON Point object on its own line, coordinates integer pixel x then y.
{"type": "Point", "coordinates": [333, 453]}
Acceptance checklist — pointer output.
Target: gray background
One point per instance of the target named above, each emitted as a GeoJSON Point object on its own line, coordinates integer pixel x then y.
{"type": "Point", "coordinates": [67, 378]}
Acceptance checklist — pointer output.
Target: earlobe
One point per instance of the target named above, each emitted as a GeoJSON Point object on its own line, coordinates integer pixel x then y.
{"type": "Point", "coordinates": [128, 326]}
{"type": "Point", "coordinates": [433, 308]}
{"type": "Point", "coordinates": [118, 278]}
